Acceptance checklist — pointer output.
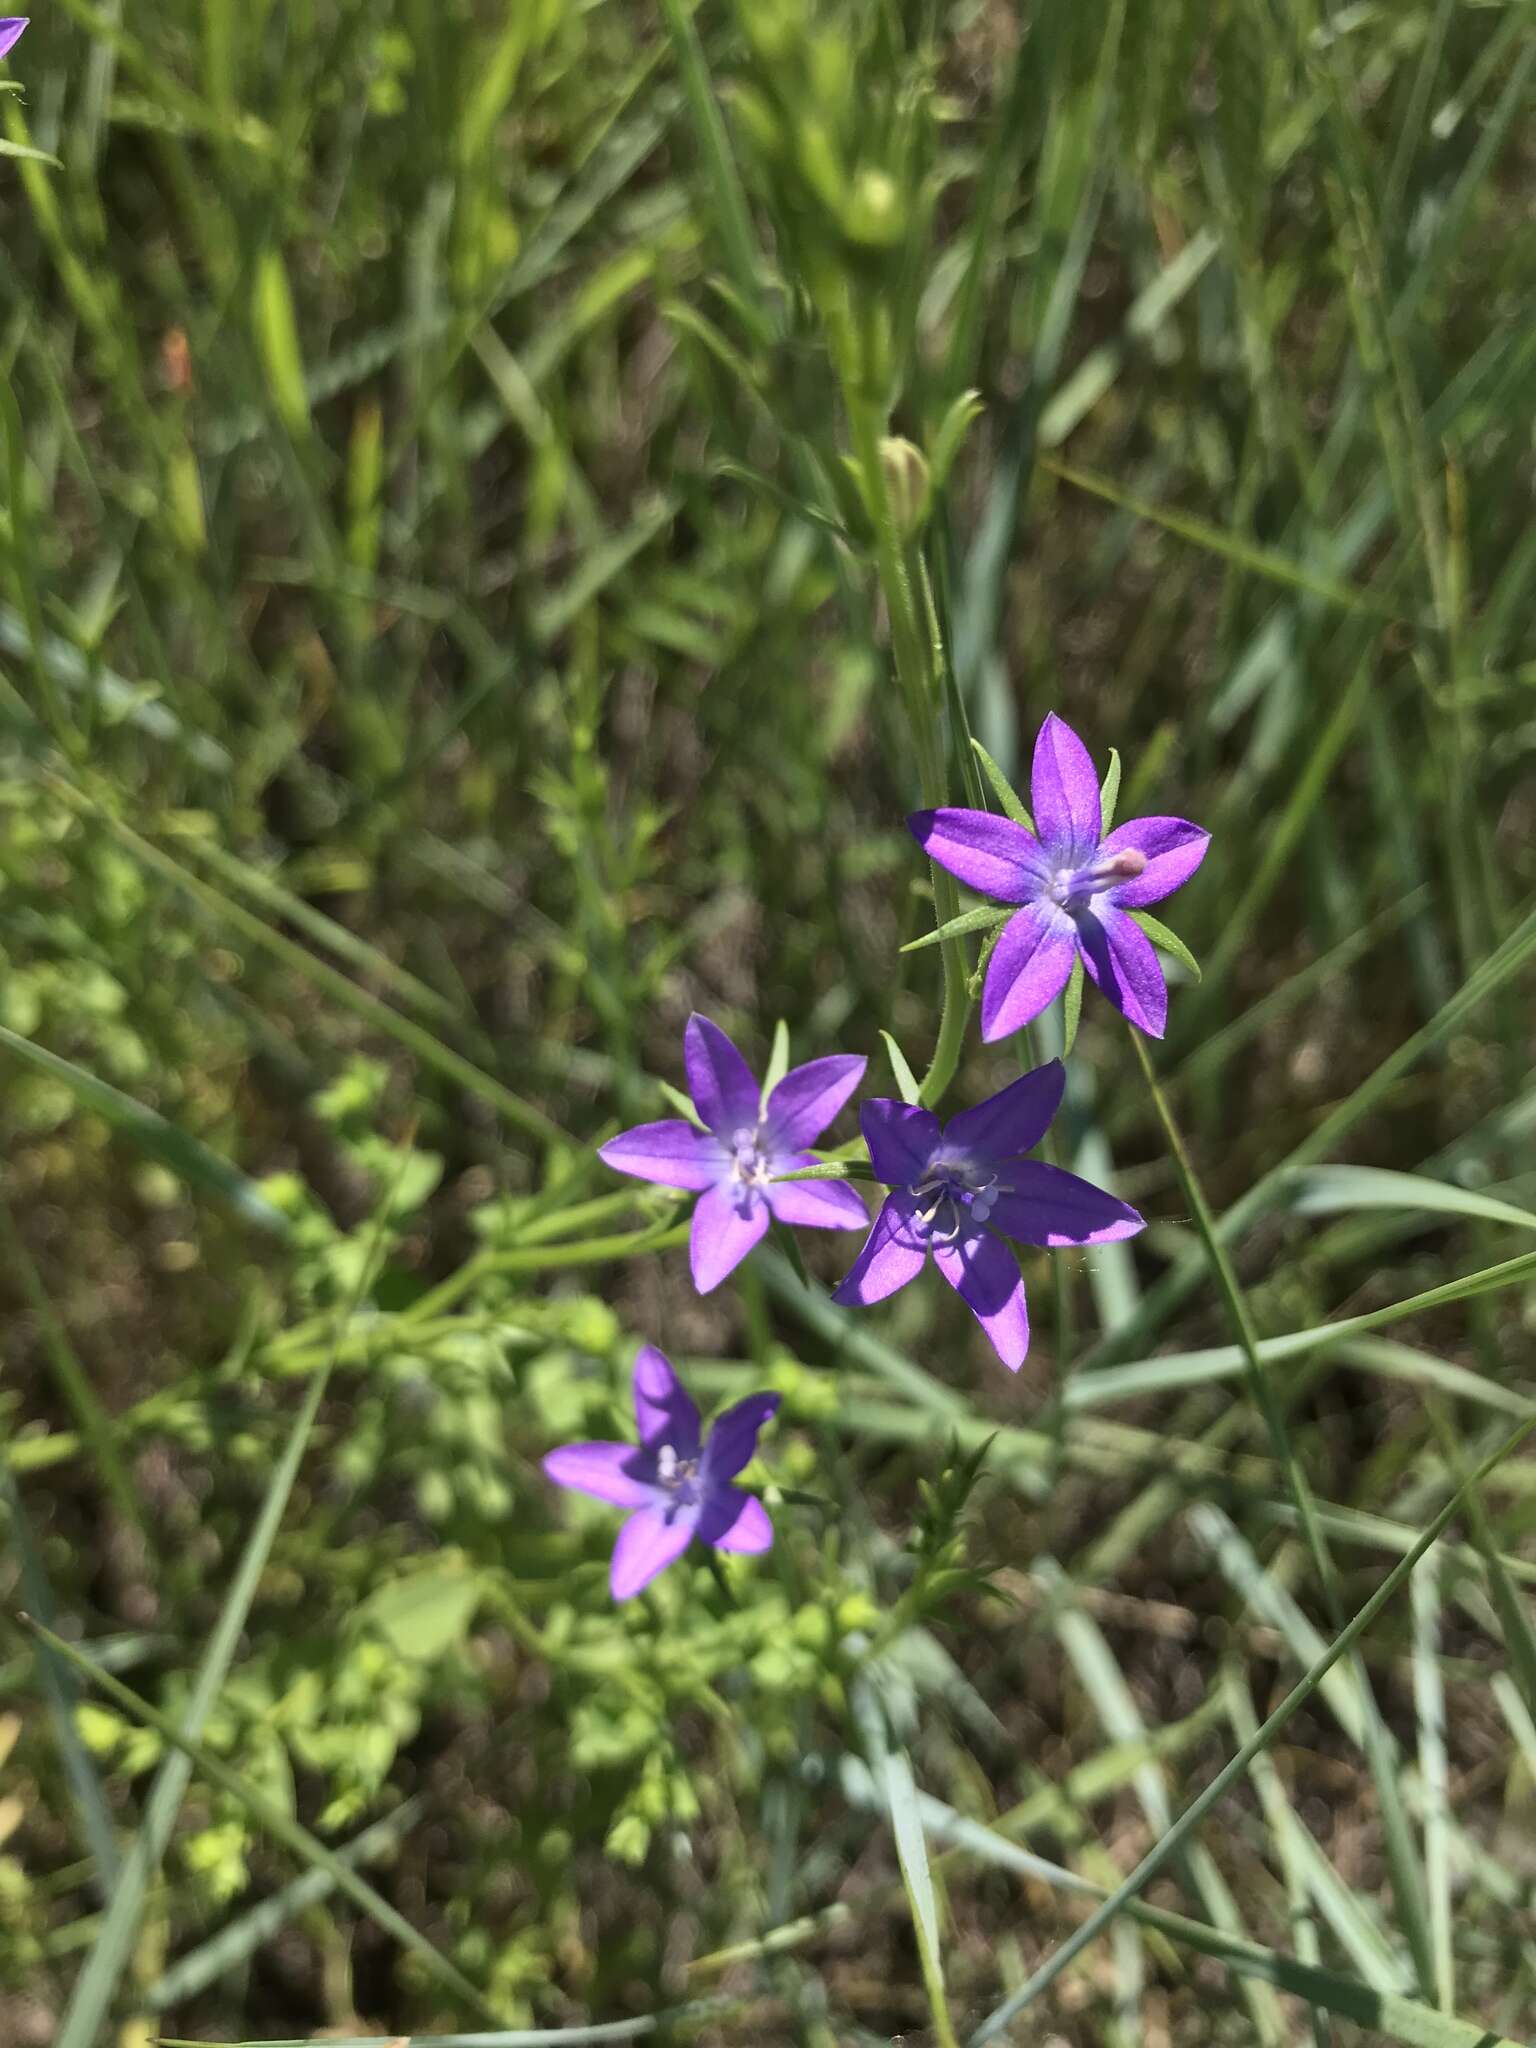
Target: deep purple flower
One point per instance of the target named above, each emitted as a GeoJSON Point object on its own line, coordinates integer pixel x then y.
{"type": "Point", "coordinates": [1076, 885]}
{"type": "Point", "coordinates": [11, 26]}
{"type": "Point", "coordinates": [745, 1143]}
{"type": "Point", "coordinates": [678, 1486]}
{"type": "Point", "coordinates": [958, 1189]}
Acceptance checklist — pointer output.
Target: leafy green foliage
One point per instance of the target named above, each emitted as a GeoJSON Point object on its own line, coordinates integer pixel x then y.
{"type": "Point", "coordinates": [505, 511]}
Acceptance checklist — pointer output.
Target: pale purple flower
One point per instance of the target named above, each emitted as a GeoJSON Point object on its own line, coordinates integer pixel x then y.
{"type": "Point", "coordinates": [958, 1189]}
{"type": "Point", "coordinates": [679, 1485]}
{"type": "Point", "coordinates": [1076, 884]}
{"type": "Point", "coordinates": [11, 26]}
{"type": "Point", "coordinates": [745, 1143]}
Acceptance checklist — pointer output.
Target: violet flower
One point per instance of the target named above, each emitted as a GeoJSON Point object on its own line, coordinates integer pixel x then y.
{"type": "Point", "coordinates": [11, 26]}
{"type": "Point", "coordinates": [958, 1189]}
{"type": "Point", "coordinates": [746, 1142]}
{"type": "Point", "coordinates": [1076, 884]}
{"type": "Point", "coordinates": [678, 1486]}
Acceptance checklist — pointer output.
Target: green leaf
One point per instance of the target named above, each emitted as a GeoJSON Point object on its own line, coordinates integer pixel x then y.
{"type": "Point", "coordinates": [186, 1156]}
{"type": "Point", "coordinates": [1109, 790]}
{"type": "Point", "coordinates": [906, 1080]}
{"type": "Point", "coordinates": [682, 1103]}
{"type": "Point", "coordinates": [951, 433]}
{"type": "Point", "coordinates": [425, 1614]}
{"type": "Point", "coordinates": [36, 156]}
{"type": "Point", "coordinates": [1003, 789]}
{"type": "Point", "coordinates": [1071, 1007]}
{"type": "Point", "coordinates": [1167, 941]}
{"type": "Point", "coordinates": [778, 1060]}
{"type": "Point", "coordinates": [277, 338]}
{"type": "Point", "coordinates": [976, 920]}
{"type": "Point", "coordinates": [1326, 1190]}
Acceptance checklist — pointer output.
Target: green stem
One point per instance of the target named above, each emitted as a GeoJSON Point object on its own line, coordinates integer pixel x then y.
{"type": "Point", "coordinates": [913, 654]}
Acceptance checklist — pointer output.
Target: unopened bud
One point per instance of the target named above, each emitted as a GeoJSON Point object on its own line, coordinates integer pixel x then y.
{"type": "Point", "coordinates": [873, 212]}
{"type": "Point", "coordinates": [906, 485]}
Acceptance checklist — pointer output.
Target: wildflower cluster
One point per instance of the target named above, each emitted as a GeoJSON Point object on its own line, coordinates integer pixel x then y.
{"type": "Point", "coordinates": [958, 1192]}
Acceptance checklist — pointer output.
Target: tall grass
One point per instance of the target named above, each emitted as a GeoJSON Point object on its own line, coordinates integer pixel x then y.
{"type": "Point", "coordinates": [505, 510]}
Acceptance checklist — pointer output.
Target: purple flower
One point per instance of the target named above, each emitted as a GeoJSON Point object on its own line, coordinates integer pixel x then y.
{"type": "Point", "coordinates": [745, 1143]}
{"type": "Point", "coordinates": [958, 1189]}
{"type": "Point", "coordinates": [679, 1487]}
{"type": "Point", "coordinates": [11, 26]}
{"type": "Point", "coordinates": [1076, 885]}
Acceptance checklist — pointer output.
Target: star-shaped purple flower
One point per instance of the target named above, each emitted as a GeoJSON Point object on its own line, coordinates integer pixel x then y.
{"type": "Point", "coordinates": [679, 1486]}
{"type": "Point", "coordinates": [745, 1143]}
{"type": "Point", "coordinates": [1076, 885]}
{"type": "Point", "coordinates": [11, 26]}
{"type": "Point", "coordinates": [958, 1189]}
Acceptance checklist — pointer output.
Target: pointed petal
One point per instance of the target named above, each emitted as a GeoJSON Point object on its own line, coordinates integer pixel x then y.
{"type": "Point", "coordinates": [1173, 849]}
{"type": "Point", "coordinates": [992, 855]}
{"type": "Point", "coordinates": [901, 1139]}
{"type": "Point", "coordinates": [664, 1410]}
{"type": "Point", "coordinates": [620, 1473]}
{"type": "Point", "coordinates": [719, 1079]}
{"type": "Point", "coordinates": [815, 1204]}
{"type": "Point", "coordinates": [11, 26]}
{"type": "Point", "coordinates": [808, 1098]}
{"type": "Point", "coordinates": [892, 1255]}
{"type": "Point", "coordinates": [647, 1544]}
{"type": "Point", "coordinates": [671, 1153]}
{"type": "Point", "coordinates": [727, 1222]}
{"type": "Point", "coordinates": [1064, 790]}
{"type": "Point", "coordinates": [1046, 1205]}
{"type": "Point", "coordinates": [1028, 969]}
{"type": "Point", "coordinates": [985, 1275]}
{"type": "Point", "coordinates": [1120, 957]}
{"type": "Point", "coordinates": [733, 1438]}
{"type": "Point", "coordinates": [1012, 1121]}
{"type": "Point", "coordinates": [733, 1520]}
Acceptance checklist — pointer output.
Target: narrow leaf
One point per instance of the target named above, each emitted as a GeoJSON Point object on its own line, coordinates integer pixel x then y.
{"type": "Point", "coordinates": [906, 1080]}
{"type": "Point", "coordinates": [979, 919]}
{"type": "Point", "coordinates": [1003, 789]}
{"type": "Point", "coordinates": [1167, 941]}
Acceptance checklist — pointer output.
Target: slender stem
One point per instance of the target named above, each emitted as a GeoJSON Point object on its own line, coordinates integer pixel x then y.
{"type": "Point", "coordinates": [914, 654]}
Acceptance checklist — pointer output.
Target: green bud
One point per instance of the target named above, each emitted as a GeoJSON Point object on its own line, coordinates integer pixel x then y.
{"type": "Point", "coordinates": [872, 214]}
{"type": "Point", "coordinates": [906, 485]}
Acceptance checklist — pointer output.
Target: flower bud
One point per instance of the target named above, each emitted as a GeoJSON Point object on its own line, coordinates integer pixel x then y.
{"type": "Point", "coordinates": [906, 485]}
{"type": "Point", "coordinates": [872, 214]}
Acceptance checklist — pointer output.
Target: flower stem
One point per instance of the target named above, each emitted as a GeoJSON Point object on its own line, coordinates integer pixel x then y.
{"type": "Point", "coordinates": [914, 655]}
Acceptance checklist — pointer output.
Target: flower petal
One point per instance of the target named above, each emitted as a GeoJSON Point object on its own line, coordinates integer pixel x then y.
{"type": "Point", "coordinates": [985, 1275]}
{"type": "Point", "coordinates": [1028, 969]}
{"type": "Point", "coordinates": [892, 1254]}
{"type": "Point", "coordinates": [733, 1438]}
{"type": "Point", "coordinates": [807, 1099]}
{"type": "Point", "coordinates": [993, 855]}
{"type": "Point", "coordinates": [1120, 957]}
{"type": "Point", "coordinates": [671, 1152]}
{"type": "Point", "coordinates": [727, 1221]}
{"type": "Point", "coordinates": [11, 26]}
{"type": "Point", "coordinates": [1010, 1122]}
{"type": "Point", "coordinates": [719, 1079]}
{"type": "Point", "coordinates": [1046, 1205]}
{"type": "Point", "coordinates": [647, 1544]}
{"type": "Point", "coordinates": [620, 1473]}
{"type": "Point", "coordinates": [1173, 849]}
{"type": "Point", "coordinates": [733, 1520]}
{"type": "Point", "coordinates": [814, 1204]}
{"type": "Point", "coordinates": [901, 1139]}
{"type": "Point", "coordinates": [664, 1410]}
{"type": "Point", "coordinates": [1064, 791]}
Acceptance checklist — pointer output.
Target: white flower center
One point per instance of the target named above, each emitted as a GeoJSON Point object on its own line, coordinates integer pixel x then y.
{"type": "Point", "coordinates": [1071, 888]}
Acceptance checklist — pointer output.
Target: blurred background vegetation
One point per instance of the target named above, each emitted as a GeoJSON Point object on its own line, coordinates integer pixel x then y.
{"type": "Point", "coordinates": [441, 648]}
